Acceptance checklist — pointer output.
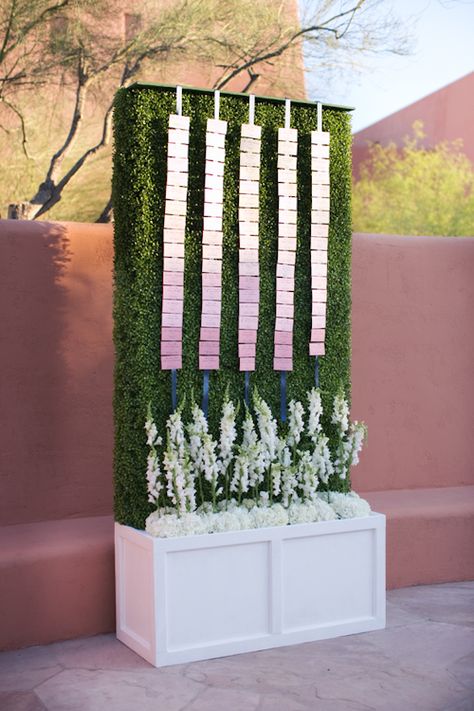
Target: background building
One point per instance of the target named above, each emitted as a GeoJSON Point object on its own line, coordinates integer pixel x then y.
{"type": "Point", "coordinates": [447, 115]}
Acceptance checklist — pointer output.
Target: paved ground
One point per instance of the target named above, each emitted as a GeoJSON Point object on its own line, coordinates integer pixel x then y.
{"type": "Point", "coordinates": [423, 661]}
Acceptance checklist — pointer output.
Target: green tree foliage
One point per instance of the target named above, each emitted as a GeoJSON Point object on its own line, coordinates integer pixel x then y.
{"type": "Point", "coordinates": [414, 190]}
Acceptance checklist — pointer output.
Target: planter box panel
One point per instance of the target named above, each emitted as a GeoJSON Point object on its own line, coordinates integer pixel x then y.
{"type": "Point", "coordinates": [216, 595]}
{"type": "Point", "coordinates": [185, 599]}
{"type": "Point", "coordinates": [135, 592]}
{"type": "Point", "coordinates": [337, 586]}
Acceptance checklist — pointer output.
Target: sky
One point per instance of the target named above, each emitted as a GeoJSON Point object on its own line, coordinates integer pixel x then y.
{"type": "Point", "coordinates": [443, 51]}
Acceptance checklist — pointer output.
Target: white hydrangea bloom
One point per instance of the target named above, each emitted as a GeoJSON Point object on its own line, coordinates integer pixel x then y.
{"type": "Point", "coordinates": [267, 516]}
{"type": "Point", "coordinates": [310, 512]}
{"type": "Point", "coordinates": [349, 505]}
{"type": "Point", "coordinates": [172, 525]}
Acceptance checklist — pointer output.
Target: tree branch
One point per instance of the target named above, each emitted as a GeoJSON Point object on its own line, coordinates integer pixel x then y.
{"type": "Point", "coordinates": [19, 115]}
{"type": "Point", "coordinates": [282, 48]}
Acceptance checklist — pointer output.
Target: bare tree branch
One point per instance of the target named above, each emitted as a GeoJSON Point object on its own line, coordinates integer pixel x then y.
{"type": "Point", "coordinates": [20, 117]}
{"type": "Point", "coordinates": [237, 36]}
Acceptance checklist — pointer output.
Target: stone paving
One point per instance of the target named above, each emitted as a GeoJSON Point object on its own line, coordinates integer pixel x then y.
{"type": "Point", "coordinates": [422, 661]}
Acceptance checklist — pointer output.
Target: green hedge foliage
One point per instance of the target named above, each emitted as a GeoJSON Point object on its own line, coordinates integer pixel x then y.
{"type": "Point", "coordinates": [140, 129]}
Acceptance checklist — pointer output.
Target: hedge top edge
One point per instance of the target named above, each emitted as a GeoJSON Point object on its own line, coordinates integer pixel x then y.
{"type": "Point", "coordinates": [258, 97]}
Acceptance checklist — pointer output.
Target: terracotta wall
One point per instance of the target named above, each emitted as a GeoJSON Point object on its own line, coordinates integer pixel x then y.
{"type": "Point", "coordinates": [413, 357]}
{"type": "Point", "coordinates": [56, 370]}
{"type": "Point", "coordinates": [413, 350]}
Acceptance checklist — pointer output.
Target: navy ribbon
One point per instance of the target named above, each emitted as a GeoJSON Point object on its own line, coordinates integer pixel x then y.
{"type": "Point", "coordinates": [316, 372]}
{"type": "Point", "coordinates": [247, 388]}
{"type": "Point", "coordinates": [205, 393]}
{"type": "Point", "coordinates": [174, 388]}
{"type": "Point", "coordinates": [283, 395]}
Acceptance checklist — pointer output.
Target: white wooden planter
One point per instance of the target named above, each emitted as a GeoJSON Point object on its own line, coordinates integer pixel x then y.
{"type": "Point", "coordinates": [199, 597]}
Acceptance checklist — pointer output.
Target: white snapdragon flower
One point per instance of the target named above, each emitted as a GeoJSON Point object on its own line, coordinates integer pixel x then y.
{"type": "Point", "coordinates": [153, 471]}
{"type": "Point", "coordinates": [357, 435]}
{"type": "Point", "coordinates": [255, 454]}
{"type": "Point", "coordinates": [289, 486]}
{"type": "Point", "coordinates": [349, 447]}
{"type": "Point", "coordinates": [153, 476]}
{"type": "Point", "coordinates": [152, 434]}
{"type": "Point", "coordinates": [210, 466]}
{"type": "Point", "coordinates": [285, 474]}
{"type": "Point", "coordinates": [203, 454]}
{"type": "Point", "coordinates": [276, 479]}
{"type": "Point", "coordinates": [228, 434]}
{"type": "Point", "coordinates": [179, 473]}
{"type": "Point", "coordinates": [295, 423]}
{"type": "Point", "coordinates": [340, 415]}
{"type": "Point", "coordinates": [315, 411]}
{"type": "Point", "coordinates": [240, 480]}
{"type": "Point", "coordinates": [321, 458]}
{"type": "Point", "coordinates": [268, 429]}
{"type": "Point", "coordinates": [307, 477]}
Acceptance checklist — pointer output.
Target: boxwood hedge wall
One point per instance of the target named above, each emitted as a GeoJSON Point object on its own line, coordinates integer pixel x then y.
{"type": "Point", "coordinates": [140, 126]}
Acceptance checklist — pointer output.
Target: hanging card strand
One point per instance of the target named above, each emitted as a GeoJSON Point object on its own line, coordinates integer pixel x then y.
{"type": "Point", "coordinates": [249, 284]}
{"type": "Point", "coordinates": [319, 236]}
{"type": "Point", "coordinates": [173, 243]}
{"type": "Point", "coordinates": [209, 342]}
{"type": "Point", "coordinates": [286, 259]}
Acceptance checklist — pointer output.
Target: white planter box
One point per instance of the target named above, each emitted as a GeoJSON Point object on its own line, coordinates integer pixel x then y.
{"type": "Point", "coordinates": [199, 597]}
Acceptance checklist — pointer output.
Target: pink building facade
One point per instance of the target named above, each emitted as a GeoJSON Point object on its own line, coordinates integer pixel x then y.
{"type": "Point", "coordinates": [447, 115]}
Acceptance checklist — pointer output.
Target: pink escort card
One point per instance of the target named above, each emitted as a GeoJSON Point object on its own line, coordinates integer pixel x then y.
{"type": "Point", "coordinates": [250, 143]}
{"type": "Point", "coordinates": [209, 338]}
{"type": "Point", "coordinates": [286, 259]}
{"type": "Point", "coordinates": [319, 238]}
{"type": "Point", "coordinates": [173, 243]}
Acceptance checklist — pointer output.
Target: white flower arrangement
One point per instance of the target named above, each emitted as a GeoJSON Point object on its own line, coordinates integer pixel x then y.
{"type": "Point", "coordinates": [270, 477]}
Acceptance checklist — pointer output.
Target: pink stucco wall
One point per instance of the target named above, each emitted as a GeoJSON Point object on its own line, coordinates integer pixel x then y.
{"type": "Point", "coordinates": [412, 363]}
{"type": "Point", "coordinates": [56, 370]}
{"type": "Point", "coordinates": [413, 350]}
{"type": "Point", "coordinates": [447, 115]}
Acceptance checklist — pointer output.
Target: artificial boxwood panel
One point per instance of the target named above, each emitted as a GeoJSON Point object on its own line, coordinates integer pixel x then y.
{"type": "Point", "coordinates": [140, 129]}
